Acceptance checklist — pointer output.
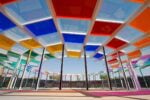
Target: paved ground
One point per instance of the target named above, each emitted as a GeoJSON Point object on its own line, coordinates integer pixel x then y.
{"type": "Point", "coordinates": [54, 97]}
{"type": "Point", "coordinates": [63, 95]}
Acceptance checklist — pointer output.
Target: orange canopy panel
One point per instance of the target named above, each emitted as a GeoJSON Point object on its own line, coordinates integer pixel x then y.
{"type": "Point", "coordinates": [74, 54]}
{"type": "Point", "coordinates": [134, 54]}
{"type": "Point", "coordinates": [137, 1]}
{"type": "Point", "coordinates": [142, 22]}
{"type": "Point", "coordinates": [55, 48]}
{"type": "Point", "coordinates": [6, 43]}
{"type": "Point", "coordinates": [115, 65]}
{"type": "Point", "coordinates": [30, 44]}
{"type": "Point", "coordinates": [143, 43]}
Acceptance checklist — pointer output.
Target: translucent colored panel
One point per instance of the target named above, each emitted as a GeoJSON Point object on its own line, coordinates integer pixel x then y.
{"type": "Point", "coordinates": [4, 2]}
{"type": "Point", "coordinates": [5, 23]}
{"type": "Point", "coordinates": [91, 47]}
{"type": "Point", "coordinates": [74, 38]}
{"type": "Point", "coordinates": [13, 59]}
{"type": "Point", "coordinates": [117, 10]}
{"type": "Point", "coordinates": [113, 61]}
{"type": "Point", "coordinates": [24, 11]}
{"type": "Point", "coordinates": [74, 54]}
{"type": "Point", "coordinates": [107, 50]}
{"type": "Point", "coordinates": [134, 54]}
{"type": "Point", "coordinates": [2, 51]}
{"type": "Point", "coordinates": [54, 48]}
{"type": "Point", "coordinates": [42, 27]}
{"type": "Point", "coordinates": [81, 9]}
{"type": "Point", "coordinates": [116, 54]}
{"type": "Point", "coordinates": [143, 42]}
{"type": "Point", "coordinates": [18, 49]}
{"type": "Point", "coordinates": [89, 53]}
{"type": "Point", "coordinates": [49, 39]}
{"type": "Point", "coordinates": [6, 43]}
{"type": "Point", "coordinates": [138, 1]}
{"type": "Point", "coordinates": [116, 43]}
{"type": "Point", "coordinates": [102, 28]}
{"type": "Point", "coordinates": [142, 22]}
{"type": "Point", "coordinates": [115, 66]}
{"type": "Point", "coordinates": [76, 26]}
{"type": "Point", "coordinates": [97, 40]}
{"type": "Point", "coordinates": [146, 50]}
{"type": "Point", "coordinates": [98, 55]}
{"type": "Point", "coordinates": [129, 34]}
{"type": "Point", "coordinates": [129, 48]}
{"type": "Point", "coordinates": [73, 46]}
{"type": "Point", "coordinates": [16, 34]}
{"type": "Point", "coordinates": [33, 54]}
{"type": "Point", "coordinates": [40, 51]}
{"type": "Point", "coordinates": [30, 44]}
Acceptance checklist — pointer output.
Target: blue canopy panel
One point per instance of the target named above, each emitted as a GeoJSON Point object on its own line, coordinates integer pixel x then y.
{"type": "Point", "coordinates": [97, 40]}
{"type": "Point", "coordinates": [25, 12]}
{"type": "Point", "coordinates": [75, 26]}
{"type": "Point", "coordinates": [91, 47]}
{"type": "Point", "coordinates": [98, 56]}
{"type": "Point", "coordinates": [73, 46]}
{"type": "Point", "coordinates": [72, 38]}
{"type": "Point", "coordinates": [129, 48]}
{"type": "Point", "coordinates": [117, 10]}
{"type": "Point", "coordinates": [49, 39]}
{"type": "Point", "coordinates": [5, 23]}
{"type": "Point", "coordinates": [16, 34]}
{"type": "Point", "coordinates": [42, 27]}
{"type": "Point", "coordinates": [129, 34]}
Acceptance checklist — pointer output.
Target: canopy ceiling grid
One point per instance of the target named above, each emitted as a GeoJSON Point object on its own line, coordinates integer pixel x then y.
{"type": "Point", "coordinates": [79, 23]}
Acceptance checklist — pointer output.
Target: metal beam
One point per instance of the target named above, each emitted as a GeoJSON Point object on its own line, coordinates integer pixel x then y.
{"type": "Point", "coordinates": [86, 73]}
{"type": "Point", "coordinates": [24, 70]}
{"type": "Point", "coordinates": [107, 69]}
{"type": "Point", "coordinates": [39, 71]}
{"type": "Point", "coordinates": [61, 71]}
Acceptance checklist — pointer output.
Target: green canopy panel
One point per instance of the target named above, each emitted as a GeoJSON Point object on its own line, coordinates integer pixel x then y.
{"type": "Point", "coordinates": [3, 57]}
{"type": "Point", "coordinates": [10, 53]}
{"type": "Point", "coordinates": [49, 56]}
{"type": "Point", "coordinates": [33, 54]}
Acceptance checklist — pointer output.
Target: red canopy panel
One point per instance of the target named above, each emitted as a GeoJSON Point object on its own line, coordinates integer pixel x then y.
{"type": "Point", "coordinates": [80, 9]}
{"type": "Point", "coordinates": [3, 2]}
{"type": "Point", "coordinates": [138, 1]}
{"type": "Point", "coordinates": [116, 43]}
{"type": "Point", "coordinates": [115, 54]}
{"type": "Point", "coordinates": [102, 28]}
{"type": "Point", "coordinates": [112, 61]}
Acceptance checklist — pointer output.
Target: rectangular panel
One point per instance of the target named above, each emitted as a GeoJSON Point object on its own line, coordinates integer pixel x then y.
{"type": "Point", "coordinates": [42, 27]}
{"type": "Point", "coordinates": [24, 11]}
{"type": "Point", "coordinates": [5, 23]}
{"type": "Point", "coordinates": [75, 26]}
{"type": "Point", "coordinates": [30, 44]}
{"type": "Point", "coordinates": [143, 42]}
{"type": "Point", "coordinates": [6, 43]}
{"type": "Point", "coordinates": [129, 34]}
{"type": "Point", "coordinates": [74, 54]}
{"type": "Point", "coordinates": [81, 9]}
{"type": "Point", "coordinates": [73, 38]}
{"type": "Point", "coordinates": [16, 34]}
{"type": "Point", "coordinates": [117, 10]}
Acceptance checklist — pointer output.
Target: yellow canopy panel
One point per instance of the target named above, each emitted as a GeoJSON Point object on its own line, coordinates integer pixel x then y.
{"type": "Point", "coordinates": [6, 43]}
{"type": "Point", "coordinates": [54, 48]}
{"type": "Point", "coordinates": [30, 44]}
{"type": "Point", "coordinates": [74, 54]}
